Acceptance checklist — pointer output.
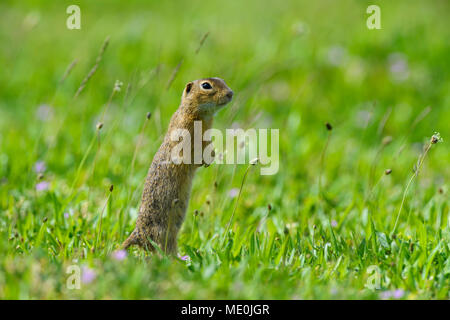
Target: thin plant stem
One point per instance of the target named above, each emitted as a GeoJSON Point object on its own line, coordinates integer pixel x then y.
{"type": "Point", "coordinates": [419, 118]}
{"type": "Point", "coordinates": [100, 125]}
{"type": "Point", "coordinates": [96, 155]}
{"type": "Point", "coordinates": [138, 144]}
{"type": "Point", "coordinates": [101, 219]}
{"type": "Point", "coordinates": [369, 195]}
{"type": "Point", "coordinates": [373, 167]}
{"type": "Point", "coordinates": [415, 174]}
{"type": "Point", "coordinates": [322, 159]}
{"type": "Point", "coordinates": [58, 85]}
{"type": "Point", "coordinates": [107, 104]}
{"type": "Point", "coordinates": [222, 204]}
{"type": "Point", "coordinates": [205, 36]}
{"type": "Point", "coordinates": [93, 69]}
{"type": "Point", "coordinates": [80, 166]}
{"type": "Point", "coordinates": [237, 201]}
{"type": "Point", "coordinates": [174, 74]}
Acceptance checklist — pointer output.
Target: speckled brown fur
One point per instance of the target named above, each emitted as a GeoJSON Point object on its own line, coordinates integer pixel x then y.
{"type": "Point", "coordinates": [168, 185]}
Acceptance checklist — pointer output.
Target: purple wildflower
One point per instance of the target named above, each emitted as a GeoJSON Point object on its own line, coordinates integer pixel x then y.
{"type": "Point", "coordinates": [395, 294]}
{"type": "Point", "coordinates": [337, 56]}
{"type": "Point", "coordinates": [88, 275]}
{"type": "Point", "coordinates": [334, 223]}
{"type": "Point", "coordinates": [41, 186]}
{"type": "Point", "coordinates": [44, 112]}
{"type": "Point", "coordinates": [398, 67]}
{"type": "Point", "coordinates": [398, 294]}
{"type": "Point", "coordinates": [363, 118]}
{"type": "Point", "coordinates": [184, 258]}
{"type": "Point", "coordinates": [119, 255]}
{"type": "Point", "coordinates": [385, 295]}
{"type": "Point", "coordinates": [66, 215]}
{"type": "Point", "coordinates": [39, 167]}
{"type": "Point", "coordinates": [233, 193]}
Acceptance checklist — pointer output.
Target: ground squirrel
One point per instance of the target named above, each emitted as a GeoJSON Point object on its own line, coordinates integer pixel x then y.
{"type": "Point", "coordinates": [168, 185]}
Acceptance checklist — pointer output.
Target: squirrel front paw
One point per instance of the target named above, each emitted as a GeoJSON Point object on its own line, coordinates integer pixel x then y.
{"type": "Point", "coordinates": [211, 159]}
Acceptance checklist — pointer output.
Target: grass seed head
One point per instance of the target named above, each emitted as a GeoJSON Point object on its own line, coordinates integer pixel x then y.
{"type": "Point", "coordinates": [118, 86]}
{"type": "Point", "coordinates": [436, 138]}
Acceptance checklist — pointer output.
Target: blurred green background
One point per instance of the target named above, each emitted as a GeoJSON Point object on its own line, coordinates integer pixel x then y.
{"type": "Point", "coordinates": [294, 66]}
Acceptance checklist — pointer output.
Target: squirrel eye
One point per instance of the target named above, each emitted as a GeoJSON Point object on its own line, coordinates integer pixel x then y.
{"type": "Point", "coordinates": [206, 85]}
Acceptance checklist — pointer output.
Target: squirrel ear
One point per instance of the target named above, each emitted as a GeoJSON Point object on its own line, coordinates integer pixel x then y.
{"type": "Point", "coordinates": [188, 88]}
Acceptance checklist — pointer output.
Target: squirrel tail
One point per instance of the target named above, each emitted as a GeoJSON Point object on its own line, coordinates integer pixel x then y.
{"type": "Point", "coordinates": [131, 240]}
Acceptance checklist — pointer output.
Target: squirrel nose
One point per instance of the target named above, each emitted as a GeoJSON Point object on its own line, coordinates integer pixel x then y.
{"type": "Point", "coordinates": [230, 94]}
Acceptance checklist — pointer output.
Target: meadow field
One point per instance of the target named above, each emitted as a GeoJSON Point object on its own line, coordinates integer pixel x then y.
{"type": "Point", "coordinates": [357, 210]}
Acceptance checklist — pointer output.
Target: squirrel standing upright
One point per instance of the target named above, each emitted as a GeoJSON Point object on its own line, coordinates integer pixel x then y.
{"type": "Point", "coordinates": [168, 185]}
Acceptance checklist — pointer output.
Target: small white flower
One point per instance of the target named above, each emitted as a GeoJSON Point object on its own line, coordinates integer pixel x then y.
{"type": "Point", "coordinates": [118, 86]}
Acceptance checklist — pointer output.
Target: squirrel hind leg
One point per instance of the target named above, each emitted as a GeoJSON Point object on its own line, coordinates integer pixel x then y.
{"type": "Point", "coordinates": [133, 239]}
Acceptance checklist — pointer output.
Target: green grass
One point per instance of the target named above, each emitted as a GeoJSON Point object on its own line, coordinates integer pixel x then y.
{"type": "Point", "coordinates": [294, 66]}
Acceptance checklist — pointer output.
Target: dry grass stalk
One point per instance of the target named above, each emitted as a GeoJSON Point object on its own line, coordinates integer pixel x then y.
{"type": "Point", "coordinates": [68, 71]}
{"type": "Point", "coordinates": [205, 36]}
{"type": "Point", "coordinates": [93, 69]}
{"type": "Point", "coordinates": [174, 74]}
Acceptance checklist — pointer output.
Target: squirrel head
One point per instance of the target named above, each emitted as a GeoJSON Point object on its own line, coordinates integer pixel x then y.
{"type": "Point", "coordinates": [204, 97]}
